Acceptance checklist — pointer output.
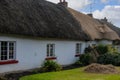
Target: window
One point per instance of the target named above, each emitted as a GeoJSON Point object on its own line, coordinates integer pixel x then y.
{"type": "Point", "coordinates": [7, 50]}
{"type": "Point", "coordinates": [93, 45]}
{"type": "Point", "coordinates": [78, 48]}
{"type": "Point", "coordinates": [50, 50]}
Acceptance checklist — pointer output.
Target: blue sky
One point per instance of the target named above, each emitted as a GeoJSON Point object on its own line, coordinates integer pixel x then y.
{"type": "Point", "coordinates": [99, 4]}
{"type": "Point", "coordinates": [100, 8]}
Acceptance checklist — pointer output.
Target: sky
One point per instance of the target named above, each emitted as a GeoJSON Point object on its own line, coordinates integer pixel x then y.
{"type": "Point", "coordinates": [100, 8]}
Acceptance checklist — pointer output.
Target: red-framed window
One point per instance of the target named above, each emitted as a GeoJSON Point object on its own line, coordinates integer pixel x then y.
{"type": "Point", "coordinates": [50, 52]}
{"type": "Point", "coordinates": [7, 52]}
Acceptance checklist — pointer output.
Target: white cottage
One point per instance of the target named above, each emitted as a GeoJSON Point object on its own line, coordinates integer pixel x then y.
{"type": "Point", "coordinates": [24, 53]}
{"type": "Point", "coordinates": [36, 30]}
{"type": "Point", "coordinates": [32, 31]}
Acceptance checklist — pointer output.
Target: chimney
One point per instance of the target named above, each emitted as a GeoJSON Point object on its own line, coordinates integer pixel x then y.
{"type": "Point", "coordinates": [64, 3]}
{"type": "Point", "coordinates": [60, 1]}
{"type": "Point", "coordinates": [91, 15]}
{"type": "Point", "coordinates": [105, 19]}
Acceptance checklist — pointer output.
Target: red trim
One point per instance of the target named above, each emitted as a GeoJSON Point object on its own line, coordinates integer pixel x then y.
{"type": "Point", "coordinates": [77, 55]}
{"type": "Point", "coordinates": [50, 58]}
{"type": "Point", "coordinates": [8, 62]}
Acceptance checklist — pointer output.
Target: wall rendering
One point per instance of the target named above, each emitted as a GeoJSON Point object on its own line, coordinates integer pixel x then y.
{"type": "Point", "coordinates": [32, 52]}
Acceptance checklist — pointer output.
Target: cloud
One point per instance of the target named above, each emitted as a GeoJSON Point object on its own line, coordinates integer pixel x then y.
{"type": "Point", "coordinates": [104, 1]}
{"type": "Point", "coordinates": [75, 4]}
{"type": "Point", "coordinates": [111, 12]}
{"type": "Point", "coordinates": [110, 1]}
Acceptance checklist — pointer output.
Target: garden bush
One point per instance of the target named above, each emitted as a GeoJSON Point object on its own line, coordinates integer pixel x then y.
{"type": "Point", "coordinates": [78, 63]}
{"type": "Point", "coordinates": [86, 59]}
{"type": "Point", "coordinates": [2, 78]}
{"type": "Point", "coordinates": [88, 49]}
{"type": "Point", "coordinates": [109, 58]}
{"type": "Point", "coordinates": [106, 54]}
{"type": "Point", "coordinates": [49, 66]}
{"type": "Point", "coordinates": [112, 49]}
{"type": "Point", "coordinates": [102, 49]}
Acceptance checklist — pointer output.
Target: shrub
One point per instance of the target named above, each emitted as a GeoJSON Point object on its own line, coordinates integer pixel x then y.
{"type": "Point", "coordinates": [86, 59]}
{"type": "Point", "coordinates": [117, 60]}
{"type": "Point", "coordinates": [109, 58]}
{"type": "Point", "coordinates": [2, 78]}
{"type": "Point", "coordinates": [106, 59]}
{"type": "Point", "coordinates": [88, 49]}
{"type": "Point", "coordinates": [102, 49]}
{"type": "Point", "coordinates": [49, 66]}
{"type": "Point", "coordinates": [112, 49]}
{"type": "Point", "coordinates": [78, 63]}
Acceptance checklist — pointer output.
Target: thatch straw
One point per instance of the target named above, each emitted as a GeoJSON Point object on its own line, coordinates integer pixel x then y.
{"type": "Point", "coordinates": [38, 18]}
{"type": "Point", "coordinates": [98, 68]}
{"type": "Point", "coordinates": [110, 25]}
{"type": "Point", "coordinates": [94, 28]}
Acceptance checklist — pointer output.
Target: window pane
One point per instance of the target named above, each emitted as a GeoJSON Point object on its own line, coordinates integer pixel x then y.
{"type": "Point", "coordinates": [7, 50]}
{"type": "Point", "coordinates": [47, 50]}
{"type": "Point", "coordinates": [50, 50]}
{"type": "Point", "coordinates": [11, 44]}
{"type": "Point", "coordinates": [11, 50]}
{"type": "Point", "coordinates": [78, 48]}
{"type": "Point", "coordinates": [4, 50]}
{"type": "Point", "coordinates": [3, 55]}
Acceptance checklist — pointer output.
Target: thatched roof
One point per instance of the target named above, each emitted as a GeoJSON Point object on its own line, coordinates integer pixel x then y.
{"type": "Point", "coordinates": [94, 28]}
{"type": "Point", "coordinates": [110, 25]}
{"type": "Point", "coordinates": [38, 18]}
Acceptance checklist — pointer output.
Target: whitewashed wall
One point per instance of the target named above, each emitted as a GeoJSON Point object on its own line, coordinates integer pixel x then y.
{"type": "Point", "coordinates": [104, 42]}
{"type": "Point", "coordinates": [31, 53]}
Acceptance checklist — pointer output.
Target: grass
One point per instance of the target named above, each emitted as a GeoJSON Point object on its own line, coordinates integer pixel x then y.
{"type": "Point", "coordinates": [74, 74]}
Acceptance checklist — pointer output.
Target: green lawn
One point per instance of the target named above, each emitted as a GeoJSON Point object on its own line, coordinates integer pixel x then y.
{"type": "Point", "coordinates": [74, 74]}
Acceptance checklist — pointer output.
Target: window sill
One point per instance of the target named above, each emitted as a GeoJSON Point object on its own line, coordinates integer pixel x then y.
{"type": "Point", "coordinates": [50, 58]}
{"type": "Point", "coordinates": [77, 55]}
{"type": "Point", "coordinates": [8, 62]}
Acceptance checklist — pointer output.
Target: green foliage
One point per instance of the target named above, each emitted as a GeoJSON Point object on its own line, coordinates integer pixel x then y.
{"type": "Point", "coordinates": [2, 78]}
{"type": "Point", "coordinates": [78, 63]}
{"type": "Point", "coordinates": [102, 49]}
{"type": "Point", "coordinates": [88, 49]}
{"type": "Point", "coordinates": [86, 59]}
{"type": "Point", "coordinates": [109, 58]}
{"type": "Point", "coordinates": [36, 70]}
{"type": "Point", "coordinates": [106, 59]}
{"type": "Point", "coordinates": [112, 49]}
{"type": "Point", "coordinates": [49, 66]}
{"type": "Point", "coordinates": [108, 55]}
{"type": "Point", "coordinates": [104, 54]}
